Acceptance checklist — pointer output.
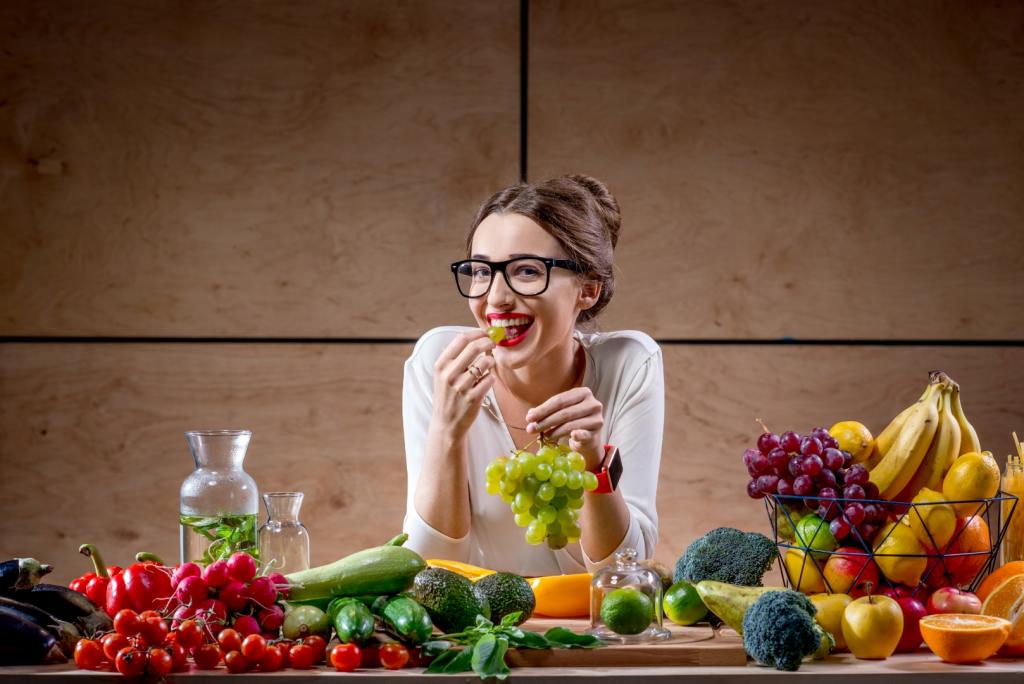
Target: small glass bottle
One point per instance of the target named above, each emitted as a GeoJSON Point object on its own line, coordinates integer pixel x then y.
{"type": "Point", "coordinates": [625, 602]}
{"type": "Point", "coordinates": [1012, 513]}
{"type": "Point", "coordinates": [219, 502]}
{"type": "Point", "coordinates": [284, 540]}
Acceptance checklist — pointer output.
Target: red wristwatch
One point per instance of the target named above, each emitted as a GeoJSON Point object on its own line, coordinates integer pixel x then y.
{"type": "Point", "coordinates": [609, 471]}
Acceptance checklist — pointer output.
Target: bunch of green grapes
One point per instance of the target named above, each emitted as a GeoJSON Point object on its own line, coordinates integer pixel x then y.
{"type": "Point", "coordinates": [545, 490]}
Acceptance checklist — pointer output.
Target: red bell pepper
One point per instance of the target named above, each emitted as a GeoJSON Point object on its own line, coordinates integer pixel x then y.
{"type": "Point", "coordinates": [94, 584]}
{"type": "Point", "coordinates": [145, 585]}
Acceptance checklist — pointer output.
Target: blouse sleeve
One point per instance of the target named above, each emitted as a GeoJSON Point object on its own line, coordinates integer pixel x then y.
{"type": "Point", "coordinates": [636, 429]}
{"type": "Point", "coordinates": [417, 408]}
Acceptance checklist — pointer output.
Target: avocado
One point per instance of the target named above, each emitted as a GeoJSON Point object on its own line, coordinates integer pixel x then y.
{"type": "Point", "coordinates": [449, 599]}
{"type": "Point", "coordinates": [506, 593]}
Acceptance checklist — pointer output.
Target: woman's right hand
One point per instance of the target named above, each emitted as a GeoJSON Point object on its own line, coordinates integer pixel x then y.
{"type": "Point", "coordinates": [458, 394]}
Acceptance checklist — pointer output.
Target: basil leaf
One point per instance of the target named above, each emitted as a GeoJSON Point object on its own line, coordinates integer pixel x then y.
{"type": "Point", "coordinates": [561, 637]}
{"type": "Point", "coordinates": [438, 664]}
{"type": "Point", "coordinates": [489, 657]}
{"type": "Point", "coordinates": [529, 640]}
{"type": "Point", "coordinates": [462, 662]}
{"type": "Point", "coordinates": [432, 649]}
{"type": "Point", "coordinates": [511, 619]}
{"type": "Point", "coordinates": [482, 622]}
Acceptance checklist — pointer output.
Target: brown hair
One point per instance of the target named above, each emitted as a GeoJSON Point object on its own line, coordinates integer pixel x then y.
{"type": "Point", "coordinates": [576, 210]}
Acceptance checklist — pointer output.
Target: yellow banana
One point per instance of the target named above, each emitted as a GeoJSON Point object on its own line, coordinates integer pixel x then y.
{"type": "Point", "coordinates": [968, 435]}
{"type": "Point", "coordinates": [887, 437]}
{"type": "Point", "coordinates": [901, 461]}
{"type": "Point", "coordinates": [944, 449]}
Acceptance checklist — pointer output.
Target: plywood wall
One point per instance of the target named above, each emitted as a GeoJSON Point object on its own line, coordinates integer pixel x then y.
{"type": "Point", "coordinates": [262, 170]}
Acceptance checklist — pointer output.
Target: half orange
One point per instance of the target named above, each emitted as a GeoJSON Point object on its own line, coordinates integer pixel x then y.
{"type": "Point", "coordinates": [998, 576]}
{"type": "Point", "coordinates": [1007, 601]}
{"type": "Point", "coordinates": [962, 638]}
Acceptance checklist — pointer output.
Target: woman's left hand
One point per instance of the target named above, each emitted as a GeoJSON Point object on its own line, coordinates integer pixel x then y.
{"type": "Point", "coordinates": [575, 414]}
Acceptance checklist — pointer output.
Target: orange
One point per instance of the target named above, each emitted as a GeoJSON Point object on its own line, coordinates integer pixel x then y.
{"type": "Point", "coordinates": [962, 638]}
{"type": "Point", "coordinates": [971, 536]}
{"type": "Point", "coordinates": [998, 576]}
{"type": "Point", "coordinates": [1007, 601]}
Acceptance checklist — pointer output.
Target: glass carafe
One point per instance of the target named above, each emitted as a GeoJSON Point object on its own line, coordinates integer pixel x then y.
{"type": "Point", "coordinates": [1012, 513]}
{"type": "Point", "coordinates": [219, 501]}
{"type": "Point", "coordinates": [283, 539]}
{"type": "Point", "coordinates": [625, 602]}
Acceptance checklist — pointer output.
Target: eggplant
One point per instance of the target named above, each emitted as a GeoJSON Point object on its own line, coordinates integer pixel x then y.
{"type": "Point", "coordinates": [66, 632]}
{"type": "Point", "coordinates": [22, 573]}
{"type": "Point", "coordinates": [23, 642]}
{"type": "Point", "coordinates": [68, 605]}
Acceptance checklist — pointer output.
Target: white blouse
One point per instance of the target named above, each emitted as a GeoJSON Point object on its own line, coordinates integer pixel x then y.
{"type": "Point", "coordinates": [624, 371]}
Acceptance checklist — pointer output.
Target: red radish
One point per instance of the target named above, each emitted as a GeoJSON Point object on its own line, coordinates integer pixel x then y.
{"type": "Point", "coordinates": [185, 570]}
{"type": "Point", "coordinates": [182, 613]}
{"type": "Point", "coordinates": [262, 592]}
{"type": "Point", "coordinates": [270, 634]}
{"type": "Point", "coordinates": [233, 595]}
{"type": "Point", "coordinates": [214, 613]}
{"type": "Point", "coordinates": [280, 582]}
{"type": "Point", "coordinates": [272, 618]}
{"type": "Point", "coordinates": [246, 625]}
{"type": "Point", "coordinates": [216, 574]}
{"type": "Point", "coordinates": [241, 566]}
{"type": "Point", "coordinates": [191, 591]}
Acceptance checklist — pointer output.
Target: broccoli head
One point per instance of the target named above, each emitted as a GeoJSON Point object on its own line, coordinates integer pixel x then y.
{"type": "Point", "coordinates": [727, 555]}
{"type": "Point", "coordinates": [779, 630]}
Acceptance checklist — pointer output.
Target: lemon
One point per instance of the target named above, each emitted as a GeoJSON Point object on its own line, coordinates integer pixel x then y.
{"type": "Point", "coordinates": [683, 604]}
{"type": "Point", "coordinates": [804, 573]}
{"type": "Point", "coordinates": [813, 533]}
{"type": "Point", "coordinates": [899, 554]}
{"type": "Point", "coordinates": [972, 476]}
{"type": "Point", "coordinates": [854, 438]}
{"type": "Point", "coordinates": [627, 611]}
{"type": "Point", "coordinates": [932, 520]}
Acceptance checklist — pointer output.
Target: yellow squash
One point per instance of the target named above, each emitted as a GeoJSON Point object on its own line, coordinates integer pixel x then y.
{"type": "Point", "coordinates": [562, 596]}
{"type": "Point", "coordinates": [470, 572]}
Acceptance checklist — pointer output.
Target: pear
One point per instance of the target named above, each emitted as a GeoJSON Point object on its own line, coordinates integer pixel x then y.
{"type": "Point", "coordinates": [729, 601]}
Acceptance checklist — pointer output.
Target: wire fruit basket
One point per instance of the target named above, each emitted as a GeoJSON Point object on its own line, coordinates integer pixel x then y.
{"type": "Point", "coordinates": [963, 561]}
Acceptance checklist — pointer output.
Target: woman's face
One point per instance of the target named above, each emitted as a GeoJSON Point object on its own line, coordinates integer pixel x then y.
{"type": "Point", "coordinates": [536, 325]}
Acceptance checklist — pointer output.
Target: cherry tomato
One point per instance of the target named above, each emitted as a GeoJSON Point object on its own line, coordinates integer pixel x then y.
{"type": "Point", "coordinates": [272, 659]}
{"type": "Point", "coordinates": [113, 643]}
{"type": "Point", "coordinates": [146, 614]}
{"type": "Point", "coordinates": [160, 662]}
{"type": "Point", "coordinates": [190, 634]}
{"type": "Point", "coordinates": [236, 662]}
{"type": "Point", "coordinates": [130, 662]}
{"type": "Point", "coordinates": [394, 656]}
{"type": "Point", "coordinates": [154, 630]}
{"type": "Point", "coordinates": [179, 657]}
{"type": "Point", "coordinates": [127, 622]}
{"type": "Point", "coordinates": [253, 647]}
{"type": "Point", "coordinates": [345, 657]}
{"type": "Point", "coordinates": [207, 656]}
{"type": "Point", "coordinates": [88, 654]}
{"type": "Point", "coordinates": [229, 640]}
{"type": "Point", "coordinates": [284, 646]}
{"type": "Point", "coordinates": [319, 646]}
{"type": "Point", "coordinates": [301, 656]}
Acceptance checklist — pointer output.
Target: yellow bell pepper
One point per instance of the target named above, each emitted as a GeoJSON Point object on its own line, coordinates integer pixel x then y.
{"type": "Point", "coordinates": [470, 572]}
{"type": "Point", "coordinates": [562, 596]}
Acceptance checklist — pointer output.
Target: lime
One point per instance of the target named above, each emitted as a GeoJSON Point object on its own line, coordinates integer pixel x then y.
{"type": "Point", "coordinates": [627, 611]}
{"type": "Point", "coordinates": [813, 533]}
{"type": "Point", "coordinates": [683, 605]}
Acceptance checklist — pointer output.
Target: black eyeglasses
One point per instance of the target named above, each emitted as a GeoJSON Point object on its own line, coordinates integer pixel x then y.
{"type": "Point", "coordinates": [526, 276]}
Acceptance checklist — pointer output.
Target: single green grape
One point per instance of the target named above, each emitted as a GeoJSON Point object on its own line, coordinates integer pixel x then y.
{"type": "Point", "coordinates": [508, 498]}
{"type": "Point", "coordinates": [535, 532]}
{"type": "Point", "coordinates": [543, 472]}
{"type": "Point", "coordinates": [493, 487]}
{"type": "Point", "coordinates": [560, 500]}
{"type": "Point", "coordinates": [523, 519]}
{"type": "Point", "coordinates": [558, 478]}
{"type": "Point", "coordinates": [509, 486]}
{"type": "Point", "coordinates": [513, 470]}
{"type": "Point", "coordinates": [574, 480]}
{"type": "Point", "coordinates": [546, 492]}
{"type": "Point", "coordinates": [560, 463]}
{"type": "Point", "coordinates": [524, 500]}
{"type": "Point", "coordinates": [530, 484]}
{"type": "Point", "coordinates": [548, 515]}
{"type": "Point", "coordinates": [572, 530]}
{"type": "Point", "coordinates": [546, 454]}
{"type": "Point", "coordinates": [564, 447]}
{"type": "Point", "coordinates": [518, 507]}
{"type": "Point", "coordinates": [557, 542]}
{"type": "Point", "coordinates": [577, 462]}
{"type": "Point", "coordinates": [528, 462]}
{"type": "Point", "coordinates": [575, 504]}
{"type": "Point", "coordinates": [589, 481]}
{"type": "Point", "coordinates": [566, 516]}
{"type": "Point", "coordinates": [574, 493]}
{"type": "Point", "coordinates": [494, 471]}
{"type": "Point", "coordinates": [496, 333]}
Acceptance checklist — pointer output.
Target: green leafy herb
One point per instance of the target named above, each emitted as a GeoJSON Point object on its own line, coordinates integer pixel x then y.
{"type": "Point", "coordinates": [484, 646]}
{"type": "Point", "coordinates": [226, 534]}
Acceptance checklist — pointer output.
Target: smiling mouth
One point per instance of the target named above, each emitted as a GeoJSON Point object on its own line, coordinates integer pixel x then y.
{"type": "Point", "coordinates": [515, 329]}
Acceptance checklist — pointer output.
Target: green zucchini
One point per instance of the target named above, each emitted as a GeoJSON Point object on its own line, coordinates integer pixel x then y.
{"type": "Point", "coordinates": [353, 622]}
{"type": "Point", "coordinates": [387, 569]}
{"type": "Point", "coordinates": [406, 619]}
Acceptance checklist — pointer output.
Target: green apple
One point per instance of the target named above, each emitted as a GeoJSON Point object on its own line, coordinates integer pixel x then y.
{"type": "Point", "coordinates": [872, 626]}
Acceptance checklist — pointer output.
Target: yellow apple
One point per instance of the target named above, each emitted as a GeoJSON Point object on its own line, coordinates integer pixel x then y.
{"type": "Point", "coordinates": [804, 573]}
{"type": "Point", "coordinates": [830, 614]}
{"type": "Point", "coordinates": [872, 626]}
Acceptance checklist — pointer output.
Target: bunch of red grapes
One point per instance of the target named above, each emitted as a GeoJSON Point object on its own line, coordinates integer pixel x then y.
{"type": "Point", "coordinates": [812, 471]}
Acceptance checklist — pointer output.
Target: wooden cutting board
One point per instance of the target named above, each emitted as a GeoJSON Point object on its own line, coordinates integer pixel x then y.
{"type": "Point", "coordinates": [687, 646]}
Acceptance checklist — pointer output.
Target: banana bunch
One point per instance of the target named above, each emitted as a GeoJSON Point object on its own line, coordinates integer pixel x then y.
{"type": "Point", "coordinates": [918, 447]}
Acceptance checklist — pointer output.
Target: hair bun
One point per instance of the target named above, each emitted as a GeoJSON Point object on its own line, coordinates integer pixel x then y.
{"type": "Point", "coordinates": [609, 206]}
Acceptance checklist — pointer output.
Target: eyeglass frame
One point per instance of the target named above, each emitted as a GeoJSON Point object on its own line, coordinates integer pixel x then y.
{"type": "Point", "coordinates": [496, 266]}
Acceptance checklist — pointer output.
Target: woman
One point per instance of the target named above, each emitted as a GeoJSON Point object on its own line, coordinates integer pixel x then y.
{"type": "Point", "coordinates": [540, 265]}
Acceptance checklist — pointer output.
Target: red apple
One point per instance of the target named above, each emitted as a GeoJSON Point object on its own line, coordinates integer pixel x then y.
{"type": "Point", "coordinates": [913, 611]}
{"type": "Point", "coordinates": [849, 570]}
{"type": "Point", "coordinates": [953, 600]}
